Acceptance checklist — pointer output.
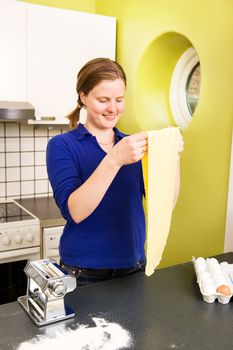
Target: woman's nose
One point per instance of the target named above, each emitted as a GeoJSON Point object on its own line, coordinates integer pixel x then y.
{"type": "Point", "coordinates": [112, 107]}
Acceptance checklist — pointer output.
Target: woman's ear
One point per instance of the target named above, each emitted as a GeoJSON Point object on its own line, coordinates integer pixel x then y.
{"type": "Point", "coordinates": [82, 97]}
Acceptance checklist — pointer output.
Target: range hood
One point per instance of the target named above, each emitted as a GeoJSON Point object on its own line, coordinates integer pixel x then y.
{"type": "Point", "coordinates": [16, 111]}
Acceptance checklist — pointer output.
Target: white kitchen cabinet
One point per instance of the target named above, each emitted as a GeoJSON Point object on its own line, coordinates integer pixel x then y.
{"type": "Point", "coordinates": [13, 48]}
{"type": "Point", "coordinates": [43, 49]}
{"type": "Point", "coordinates": [59, 43]}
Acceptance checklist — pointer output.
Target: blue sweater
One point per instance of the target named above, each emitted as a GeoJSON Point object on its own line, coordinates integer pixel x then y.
{"type": "Point", "coordinates": [113, 236]}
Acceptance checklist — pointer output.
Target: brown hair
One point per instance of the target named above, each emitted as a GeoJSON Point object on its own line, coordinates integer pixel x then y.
{"type": "Point", "coordinates": [90, 75]}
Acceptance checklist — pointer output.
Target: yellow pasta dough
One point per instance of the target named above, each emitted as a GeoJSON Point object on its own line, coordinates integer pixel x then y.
{"type": "Point", "coordinates": [159, 171]}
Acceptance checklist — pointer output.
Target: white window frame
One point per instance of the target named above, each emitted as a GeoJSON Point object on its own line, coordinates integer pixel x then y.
{"type": "Point", "coordinates": [177, 94]}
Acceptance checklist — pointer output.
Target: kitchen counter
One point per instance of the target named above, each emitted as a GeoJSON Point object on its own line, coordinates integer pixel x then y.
{"type": "Point", "coordinates": [164, 311]}
{"type": "Point", "coordinates": [45, 209]}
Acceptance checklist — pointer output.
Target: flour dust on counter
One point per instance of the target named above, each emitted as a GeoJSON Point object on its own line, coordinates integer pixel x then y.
{"type": "Point", "coordinates": [104, 335]}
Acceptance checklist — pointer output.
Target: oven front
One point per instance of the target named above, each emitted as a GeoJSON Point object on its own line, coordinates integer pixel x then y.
{"type": "Point", "coordinates": [19, 243]}
{"type": "Point", "coordinates": [13, 280]}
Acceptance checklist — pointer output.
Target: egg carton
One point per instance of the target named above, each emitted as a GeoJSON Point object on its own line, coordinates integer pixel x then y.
{"type": "Point", "coordinates": [212, 275]}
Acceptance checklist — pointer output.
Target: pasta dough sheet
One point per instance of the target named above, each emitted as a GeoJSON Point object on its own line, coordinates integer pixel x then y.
{"type": "Point", "coordinates": [159, 171]}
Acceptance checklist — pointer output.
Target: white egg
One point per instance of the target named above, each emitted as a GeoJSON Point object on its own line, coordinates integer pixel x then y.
{"type": "Point", "coordinates": [200, 260]}
{"type": "Point", "coordinates": [217, 272]}
{"type": "Point", "coordinates": [214, 269]}
{"type": "Point", "coordinates": [204, 276]}
{"type": "Point", "coordinates": [207, 282]}
{"type": "Point", "coordinates": [219, 281]}
{"type": "Point", "coordinates": [208, 287]}
{"type": "Point", "coordinates": [200, 263]}
{"type": "Point", "coordinates": [212, 261]}
{"type": "Point", "coordinates": [200, 269]}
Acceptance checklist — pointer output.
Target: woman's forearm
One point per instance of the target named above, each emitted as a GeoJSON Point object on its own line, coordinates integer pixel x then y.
{"type": "Point", "coordinates": [83, 201]}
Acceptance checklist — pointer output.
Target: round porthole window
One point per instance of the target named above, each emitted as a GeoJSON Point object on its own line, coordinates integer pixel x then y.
{"type": "Point", "coordinates": [185, 87]}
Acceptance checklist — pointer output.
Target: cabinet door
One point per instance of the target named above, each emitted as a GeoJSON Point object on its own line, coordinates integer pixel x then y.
{"type": "Point", "coordinates": [13, 85]}
{"type": "Point", "coordinates": [59, 43]}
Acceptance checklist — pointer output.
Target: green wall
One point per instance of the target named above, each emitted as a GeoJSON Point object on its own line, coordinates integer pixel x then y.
{"type": "Point", "coordinates": [151, 36]}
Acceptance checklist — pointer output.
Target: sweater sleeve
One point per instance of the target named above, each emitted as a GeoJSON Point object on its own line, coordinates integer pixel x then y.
{"type": "Point", "coordinates": [63, 173]}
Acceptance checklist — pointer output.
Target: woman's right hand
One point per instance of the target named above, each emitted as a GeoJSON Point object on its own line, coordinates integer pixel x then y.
{"type": "Point", "coordinates": [130, 149]}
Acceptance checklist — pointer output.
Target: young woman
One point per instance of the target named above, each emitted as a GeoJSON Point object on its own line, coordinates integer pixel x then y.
{"type": "Point", "coordinates": [96, 175]}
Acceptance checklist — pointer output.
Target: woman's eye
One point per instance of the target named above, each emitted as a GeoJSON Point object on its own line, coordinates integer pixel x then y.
{"type": "Point", "coordinates": [102, 101]}
{"type": "Point", "coordinates": [120, 100]}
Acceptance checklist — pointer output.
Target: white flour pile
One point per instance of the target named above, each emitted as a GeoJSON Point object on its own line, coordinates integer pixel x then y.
{"type": "Point", "coordinates": [104, 336]}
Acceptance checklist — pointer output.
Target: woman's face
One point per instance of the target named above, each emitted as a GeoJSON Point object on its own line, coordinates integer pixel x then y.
{"type": "Point", "coordinates": [104, 103]}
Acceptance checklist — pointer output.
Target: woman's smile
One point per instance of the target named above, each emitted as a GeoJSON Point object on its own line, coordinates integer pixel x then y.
{"type": "Point", "coordinates": [109, 117]}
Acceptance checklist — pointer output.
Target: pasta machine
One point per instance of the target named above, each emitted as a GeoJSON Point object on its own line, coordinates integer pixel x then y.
{"type": "Point", "coordinates": [47, 285]}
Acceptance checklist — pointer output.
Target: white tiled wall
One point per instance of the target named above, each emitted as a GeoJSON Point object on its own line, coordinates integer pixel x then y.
{"type": "Point", "coordinates": [23, 160]}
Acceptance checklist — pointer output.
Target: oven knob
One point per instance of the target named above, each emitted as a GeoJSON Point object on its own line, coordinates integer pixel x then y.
{"type": "Point", "coordinates": [6, 241]}
{"type": "Point", "coordinates": [29, 237]}
{"type": "Point", "coordinates": [18, 239]}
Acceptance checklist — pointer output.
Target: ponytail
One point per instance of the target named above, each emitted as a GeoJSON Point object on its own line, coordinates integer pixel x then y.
{"type": "Point", "coordinates": [74, 116]}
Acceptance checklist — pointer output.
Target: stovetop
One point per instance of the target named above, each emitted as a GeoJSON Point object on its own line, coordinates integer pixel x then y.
{"type": "Point", "coordinates": [10, 212]}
